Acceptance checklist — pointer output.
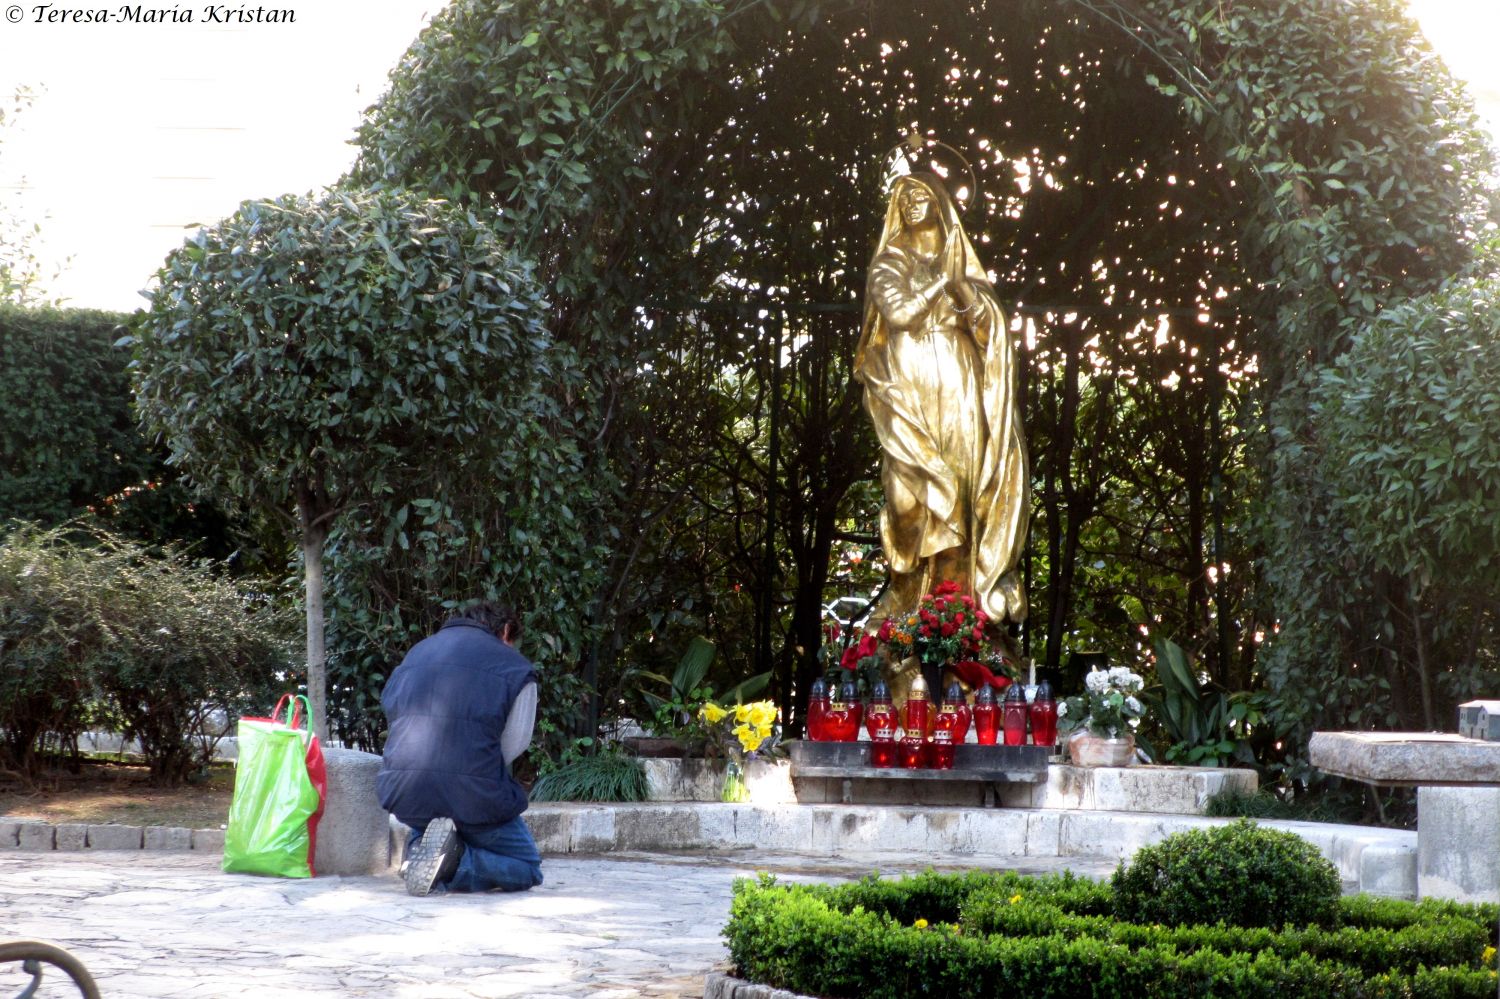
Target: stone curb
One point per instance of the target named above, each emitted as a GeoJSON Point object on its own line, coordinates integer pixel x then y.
{"type": "Point", "coordinates": [25, 834]}
{"type": "Point", "coordinates": [720, 986]}
{"type": "Point", "coordinates": [1379, 861]}
{"type": "Point", "coordinates": [1368, 859]}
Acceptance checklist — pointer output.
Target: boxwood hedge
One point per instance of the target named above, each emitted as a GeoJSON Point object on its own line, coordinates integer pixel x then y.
{"type": "Point", "coordinates": [1056, 936]}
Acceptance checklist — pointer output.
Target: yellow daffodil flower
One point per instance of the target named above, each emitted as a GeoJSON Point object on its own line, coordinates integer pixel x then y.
{"type": "Point", "coordinates": [762, 714]}
{"type": "Point", "coordinates": [750, 740]}
{"type": "Point", "coordinates": [712, 713]}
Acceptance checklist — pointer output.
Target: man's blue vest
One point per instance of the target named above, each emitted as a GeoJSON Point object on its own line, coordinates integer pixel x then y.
{"type": "Point", "coordinates": [447, 704]}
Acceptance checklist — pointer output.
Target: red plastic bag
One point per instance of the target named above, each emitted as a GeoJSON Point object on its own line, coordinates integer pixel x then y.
{"type": "Point", "coordinates": [280, 789]}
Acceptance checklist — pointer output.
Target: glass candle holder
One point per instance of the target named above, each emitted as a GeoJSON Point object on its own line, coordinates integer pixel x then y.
{"type": "Point", "coordinates": [986, 716]}
{"type": "Point", "coordinates": [1044, 716]}
{"type": "Point", "coordinates": [880, 720]}
{"type": "Point", "coordinates": [849, 696]}
{"type": "Point", "coordinates": [913, 752]}
{"type": "Point", "coordinates": [1014, 714]}
{"type": "Point", "coordinates": [918, 711]}
{"type": "Point", "coordinates": [817, 708]}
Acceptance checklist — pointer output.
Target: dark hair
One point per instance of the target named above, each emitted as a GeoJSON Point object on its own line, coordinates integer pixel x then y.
{"type": "Point", "coordinates": [498, 618]}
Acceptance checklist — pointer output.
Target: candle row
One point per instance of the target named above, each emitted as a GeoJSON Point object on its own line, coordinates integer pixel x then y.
{"type": "Point", "coordinates": [926, 738]}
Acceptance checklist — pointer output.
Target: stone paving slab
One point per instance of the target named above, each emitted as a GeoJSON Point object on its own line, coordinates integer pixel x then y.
{"type": "Point", "coordinates": [159, 925]}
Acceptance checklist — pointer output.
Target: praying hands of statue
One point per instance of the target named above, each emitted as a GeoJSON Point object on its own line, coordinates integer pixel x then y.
{"type": "Point", "coordinates": [965, 298]}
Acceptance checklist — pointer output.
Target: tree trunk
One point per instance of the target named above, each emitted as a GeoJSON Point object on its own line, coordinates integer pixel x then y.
{"type": "Point", "coordinates": [314, 533]}
{"type": "Point", "coordinates": [1424, 673]}
{"type": "Point", "coordinates": [1062, 542]}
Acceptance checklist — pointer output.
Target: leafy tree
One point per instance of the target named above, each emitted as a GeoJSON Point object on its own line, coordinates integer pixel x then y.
{"type": "Point", "coordinates": [1408, 419]}
{"type": "Point", "coordinates": [1210, 203]}
{"type": "Point", "coordinates": [317, 357]}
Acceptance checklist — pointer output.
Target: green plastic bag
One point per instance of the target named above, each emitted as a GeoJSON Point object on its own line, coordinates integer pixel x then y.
{"type": "Point", "coordinates": [274, 801]}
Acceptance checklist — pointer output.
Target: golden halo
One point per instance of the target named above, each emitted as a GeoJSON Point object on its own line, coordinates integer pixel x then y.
{"type": "Point", "coordinates": [913, 146]}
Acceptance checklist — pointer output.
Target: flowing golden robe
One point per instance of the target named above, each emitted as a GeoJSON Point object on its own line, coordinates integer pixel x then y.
{"type": "Point", "coordinates": [941, 388]}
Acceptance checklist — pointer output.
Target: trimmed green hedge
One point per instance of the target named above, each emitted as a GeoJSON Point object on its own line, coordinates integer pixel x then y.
{"type": "Point", "coordinates": [69, 443]}
{"type": "Point", "coordinates": [983, 934]}
{"type": "Point", "coordinates": [1241, 873]}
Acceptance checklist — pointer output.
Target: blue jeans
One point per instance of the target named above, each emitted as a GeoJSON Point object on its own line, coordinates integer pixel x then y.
{"type": "Point", "coordinates": [502, 857]}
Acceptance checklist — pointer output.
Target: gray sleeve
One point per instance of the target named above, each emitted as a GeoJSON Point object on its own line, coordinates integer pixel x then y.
{"type": "Point", "coordinates": [518, 725]}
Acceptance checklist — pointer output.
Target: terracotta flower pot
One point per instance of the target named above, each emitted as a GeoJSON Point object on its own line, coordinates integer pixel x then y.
{"type": "Point", "coordinates": [1089, 750]}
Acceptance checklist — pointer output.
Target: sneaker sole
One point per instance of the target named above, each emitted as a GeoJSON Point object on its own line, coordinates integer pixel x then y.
{"type": "Point", "coordinates": [433, 858]}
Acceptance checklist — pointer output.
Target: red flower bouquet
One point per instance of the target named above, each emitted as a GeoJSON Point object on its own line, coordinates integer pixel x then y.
{"type": "Point", "coordinates": [947, 627]}
{"type": "Point", "coordinates": [846, 660]}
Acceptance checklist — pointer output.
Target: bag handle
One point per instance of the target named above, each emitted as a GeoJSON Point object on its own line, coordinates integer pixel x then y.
{"type": "Point", "coordinates": [297, 712]}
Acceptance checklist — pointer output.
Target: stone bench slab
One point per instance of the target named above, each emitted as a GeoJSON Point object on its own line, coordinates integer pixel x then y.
{"type": "Point", "coordinates": [1403, 759]}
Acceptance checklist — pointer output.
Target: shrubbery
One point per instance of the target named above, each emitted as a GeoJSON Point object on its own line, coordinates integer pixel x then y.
{"type": "Point", "coordinates": [96, 630]}
{"type": "Point", "coordinates": [1002, 934]}
{"type": "Point", "coordinates": [69, 444]}
{"type": "Point", "coordinates": [1240, 874]}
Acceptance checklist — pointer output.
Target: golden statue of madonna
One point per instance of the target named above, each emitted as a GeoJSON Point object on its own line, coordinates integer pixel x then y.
{"type": "Point", "coordinates": [940, 378]}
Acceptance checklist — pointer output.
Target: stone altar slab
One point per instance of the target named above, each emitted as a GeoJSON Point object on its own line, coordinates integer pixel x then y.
{"type": "Point", "coordinates": [1406, 759]}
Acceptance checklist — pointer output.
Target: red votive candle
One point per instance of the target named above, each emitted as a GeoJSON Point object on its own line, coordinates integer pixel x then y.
{"type": "Point", "coordinates": [817, 709]}
{"type": "Point", "coordinates": [1014, 714]}
{"type": "Point", "coordinates": [1044, 716]}
{"type": "Point", "coordinates": [986, 716]}
{"type": "Point", "coordinates": [880, 720]}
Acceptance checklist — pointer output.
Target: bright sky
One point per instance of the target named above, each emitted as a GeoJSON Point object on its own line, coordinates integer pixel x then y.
{"type": "Point", "coordinates": [140, 130]}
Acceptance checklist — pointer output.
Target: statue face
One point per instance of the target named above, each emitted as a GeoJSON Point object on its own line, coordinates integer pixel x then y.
{"type": "Point", "coordinates": [917, 205]}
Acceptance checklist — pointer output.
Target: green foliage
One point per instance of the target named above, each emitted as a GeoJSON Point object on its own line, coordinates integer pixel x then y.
{"type": "Point", "coordinates": [1240, 874]}
{"type": "Point", "coordinates": [609, 775]}
{"type": "Point", "coordinates": [1051, 937]}
{"type": "Point", "coordinates": [70, 447]}
{"type": "Point", "coordinates": [1204, 726]}
{"type": "Point", "coordinates": [378, 362]}
{"type": "Point", "coordinates": [1394, 808]}
{"type": "Point", "coordinates": [676, 713]}
{"type": "Point", "coordinates": [1285, 169]}
{"type": "Point", "coordinates": [69, 438]}
{"type": "Point", "coordinates": [1409, 419]}
{"type": "Point", "coordinates": [48, 640]}
{"type": "Point", "coordinates": [92, 624]}
{"type": "Point", "coordinates": [1365, 171]}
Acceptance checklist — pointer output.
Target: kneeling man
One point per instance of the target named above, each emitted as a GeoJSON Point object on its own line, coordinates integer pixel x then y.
{"type": "Point", "coordinates": [461, 707]}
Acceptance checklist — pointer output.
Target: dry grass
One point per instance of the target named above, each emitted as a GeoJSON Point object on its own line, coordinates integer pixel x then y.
{"type": "Point", "coordinates": [117, 792]}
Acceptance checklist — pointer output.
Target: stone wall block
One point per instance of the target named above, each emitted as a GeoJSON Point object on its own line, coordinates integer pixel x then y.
{"type": "Point", "coordinates": [593, 830]}
{"type": "Point", "coordinates": [354, 834]}
{"type": "Point", "coordinates": [71, 836]}
{"type": "Point", "coordinates": [1458, 843]}
{"type": "Point", "coordinates": [113, 837]}
{"type": "Point", "coordinates": [208, 840]}
{"type": "Point", "coordinates": [167, 838]}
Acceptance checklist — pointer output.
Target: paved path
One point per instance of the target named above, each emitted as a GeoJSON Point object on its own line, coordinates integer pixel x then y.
{"type": "Point", "coordinates": [162, 925]}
